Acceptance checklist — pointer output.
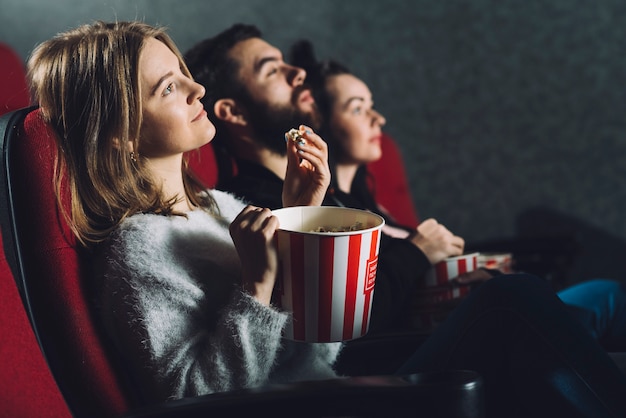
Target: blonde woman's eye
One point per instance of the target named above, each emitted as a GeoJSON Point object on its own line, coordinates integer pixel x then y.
{"type": "Point", "coordinates": [357, 111]}
{"type": "Point", "coordinates": [168, 89]}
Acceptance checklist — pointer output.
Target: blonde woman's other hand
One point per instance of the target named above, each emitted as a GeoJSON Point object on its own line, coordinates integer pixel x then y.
{"type": "Point", "coordinates": [252, 232]}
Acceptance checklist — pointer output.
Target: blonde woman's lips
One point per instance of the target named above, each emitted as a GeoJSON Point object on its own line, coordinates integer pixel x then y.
{"type": "Point", "coordinates": [200, 115]}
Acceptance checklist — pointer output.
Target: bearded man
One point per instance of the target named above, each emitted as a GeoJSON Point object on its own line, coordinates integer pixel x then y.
{"type": "Point", "coordinates": [254, 97]}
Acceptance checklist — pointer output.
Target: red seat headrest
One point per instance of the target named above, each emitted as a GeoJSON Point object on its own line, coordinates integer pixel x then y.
{"type": "Point", "coordinates": [13, 87]}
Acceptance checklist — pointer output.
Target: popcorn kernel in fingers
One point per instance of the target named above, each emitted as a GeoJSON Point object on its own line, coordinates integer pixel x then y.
{"type": "Point", "coordinates": [296, 136]}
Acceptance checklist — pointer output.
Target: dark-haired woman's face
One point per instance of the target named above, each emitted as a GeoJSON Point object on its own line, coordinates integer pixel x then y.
{"type": "Point", "coordinates": [353, 122]}
{"type": "Point", "coordinates": [174, 119]}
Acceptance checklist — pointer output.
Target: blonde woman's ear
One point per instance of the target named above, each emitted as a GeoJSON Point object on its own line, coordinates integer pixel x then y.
{"type": "Point", "coordinates": [130, 146]}
{"type": "Point", "coordinates": [129, 149]}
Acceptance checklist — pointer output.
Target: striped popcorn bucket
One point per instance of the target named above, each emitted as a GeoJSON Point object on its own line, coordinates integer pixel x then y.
{"type": "Point", "coordinates": [438, 294]}
{"type": "Point", "coordinates": [497, 261]}
{"type": "Point", "coordinates": [326, 278]}
{"type": "Point", "coordinates": [450, 268]}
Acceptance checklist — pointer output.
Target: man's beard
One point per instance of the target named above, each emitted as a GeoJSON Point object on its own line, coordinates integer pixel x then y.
{"type": "Point", "coordinates": [270, 122]}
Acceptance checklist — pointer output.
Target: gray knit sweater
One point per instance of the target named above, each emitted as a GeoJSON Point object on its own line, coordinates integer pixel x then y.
{"type": "Point", "coordinates": [170, 300]}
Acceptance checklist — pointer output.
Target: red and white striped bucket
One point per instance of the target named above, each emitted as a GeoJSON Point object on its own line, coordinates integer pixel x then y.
{"type": "Point", "coordinates": [497, 261]}
{"type": "Point", "coordinates": [450, 268]}
{"type": "Point", "coordinates": [438, 293]}
{"type": "Point", "coordinates": [326, 279]}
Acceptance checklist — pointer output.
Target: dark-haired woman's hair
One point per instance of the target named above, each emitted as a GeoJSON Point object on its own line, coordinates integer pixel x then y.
{"type": "Point", "coordinates": [302, 54]}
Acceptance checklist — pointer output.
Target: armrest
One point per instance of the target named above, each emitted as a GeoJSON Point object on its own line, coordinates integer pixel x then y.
{"type": "Point", "coordinates": [449, 394]}
{"type": "Point", "coordinates": [550, 257]}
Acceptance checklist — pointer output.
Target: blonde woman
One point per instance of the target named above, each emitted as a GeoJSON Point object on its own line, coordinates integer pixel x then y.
{"type": "Point", "coordinates": [189, 310]}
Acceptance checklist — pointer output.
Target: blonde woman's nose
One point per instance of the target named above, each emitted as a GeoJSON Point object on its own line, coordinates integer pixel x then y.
{"type": "Point", "coordinates": [197, 92]}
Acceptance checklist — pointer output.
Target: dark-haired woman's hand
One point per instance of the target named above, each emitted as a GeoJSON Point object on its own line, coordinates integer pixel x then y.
{"type": "Point", "coordinates": [436, 241]}
{"type": "Point", "coordinates": [479, 275]}
{"type": "Point", "coordinates": [253, 232]}
{"type": "Point", "coordinates": [308, 174]}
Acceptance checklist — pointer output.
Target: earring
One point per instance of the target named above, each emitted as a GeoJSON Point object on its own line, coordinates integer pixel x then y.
{"type": "Point", "coordinates": [133, 158]}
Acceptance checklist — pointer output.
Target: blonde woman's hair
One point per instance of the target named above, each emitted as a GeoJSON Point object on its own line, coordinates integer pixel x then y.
{"type": "Point", "coordinates": [86, 82]}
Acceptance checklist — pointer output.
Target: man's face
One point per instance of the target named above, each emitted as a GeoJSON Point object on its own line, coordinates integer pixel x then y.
{"type": "Point", "coordinates": [276, 98]}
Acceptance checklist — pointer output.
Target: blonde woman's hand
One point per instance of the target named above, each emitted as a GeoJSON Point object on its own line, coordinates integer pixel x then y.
{"type": "Point", "coordinates": [436, 241]}
{"type": "Point", "coordinates": [252, 232]}
{"type": "Point", "coordinates": [308, 174]}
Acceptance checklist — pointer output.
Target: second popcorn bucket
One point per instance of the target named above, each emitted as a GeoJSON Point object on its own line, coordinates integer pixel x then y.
{"type": "Point", "coordinates": [328, 258]}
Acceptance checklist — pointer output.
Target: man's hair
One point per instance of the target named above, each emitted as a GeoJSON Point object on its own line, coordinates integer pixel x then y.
{"type": "Point", "coordinates": [211, 65]}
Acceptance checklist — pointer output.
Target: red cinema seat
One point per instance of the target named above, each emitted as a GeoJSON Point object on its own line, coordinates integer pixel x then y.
{"type": "Point", "coordinates": [204, 165]}
{"type": "Point", "coordinates": [210, 165]}
{"type": "Point", "coordinates": [389, 185]}
{"type": "Point", "coordinates": [44, 257]}
{"type": "Point", "coordinates": [27, 386]}
{"type": "Point", "coordinates": [13, 87]}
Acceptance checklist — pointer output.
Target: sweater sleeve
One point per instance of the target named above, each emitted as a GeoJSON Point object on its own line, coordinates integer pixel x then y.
{"type": "Point", "coordinates": [182, 337]}
{"type": "Point", "coordinates": [241, 353]}
{"type": "Point", "coordinates": [401, 265]}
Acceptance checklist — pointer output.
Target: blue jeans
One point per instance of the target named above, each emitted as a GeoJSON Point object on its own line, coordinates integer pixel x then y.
{"type": "Point", "coordinates": [535, 358]}
{"type": "Point", "coordinates": [600, 305]}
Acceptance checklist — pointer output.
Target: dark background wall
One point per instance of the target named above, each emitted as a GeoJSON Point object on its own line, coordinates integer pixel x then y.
{"type": "Point", "coordinates": [510, 113]}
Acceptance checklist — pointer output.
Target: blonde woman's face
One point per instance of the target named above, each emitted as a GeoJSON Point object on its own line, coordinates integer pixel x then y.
{"type": "Point", "coordinates": [353, 121]}
{"type": "Point", "coordinates": [174, 119]}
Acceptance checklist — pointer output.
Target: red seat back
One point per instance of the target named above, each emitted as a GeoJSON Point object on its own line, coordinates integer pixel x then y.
{"type": "Point", "coordinates": [27, 386]}
{"type": "Point", "coordinates": [204, 165]}
{"type": "Point", "coordinates": [13, 87]}
{"type": "Point", "coordinates": [389, 184]}
{"type": "Point", "coordinates": [210, 165]}
{"type": "Point", "coordinates": [48, 269]}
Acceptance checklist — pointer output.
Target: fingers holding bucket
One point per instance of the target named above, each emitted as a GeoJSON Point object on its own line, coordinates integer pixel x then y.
{"type": "Point", "coordinates": [252, 232]}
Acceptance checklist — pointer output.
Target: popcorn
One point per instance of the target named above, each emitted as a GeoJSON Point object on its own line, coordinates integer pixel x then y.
{"type": "Point", "coordinates": [295, 136]}
{"type": "Point", "coordinates": [357, 226]}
